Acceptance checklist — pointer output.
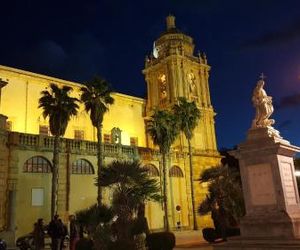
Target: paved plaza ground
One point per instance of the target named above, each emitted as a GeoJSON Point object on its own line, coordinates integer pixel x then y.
{"type": "Point", "coordinates": [191, 240]}
{"type": "Point", "coordinates": [184, 240]}
{"type": "Point", "coordinates": [201, 247]}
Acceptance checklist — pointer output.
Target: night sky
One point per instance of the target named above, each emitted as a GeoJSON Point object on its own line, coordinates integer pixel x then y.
{"type": "Point", "coordinates": [75, 40]}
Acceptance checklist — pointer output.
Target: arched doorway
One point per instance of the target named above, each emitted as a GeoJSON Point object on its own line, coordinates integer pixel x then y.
{"type": "Point", "coordinates": [178, 197]}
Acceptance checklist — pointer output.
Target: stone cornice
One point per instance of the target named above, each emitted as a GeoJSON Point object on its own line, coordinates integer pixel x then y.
{"type": "Point", "coordinates": [61, 81]}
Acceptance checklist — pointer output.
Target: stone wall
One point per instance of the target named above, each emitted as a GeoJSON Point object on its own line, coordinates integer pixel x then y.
{"type": "Point", "coordinates": [3, 172]}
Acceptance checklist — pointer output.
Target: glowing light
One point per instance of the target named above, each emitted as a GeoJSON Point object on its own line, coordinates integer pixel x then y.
{"type": "Point", "coordinates": [155, 51]}
{"type": "Point", "coordinates": [297, 173]}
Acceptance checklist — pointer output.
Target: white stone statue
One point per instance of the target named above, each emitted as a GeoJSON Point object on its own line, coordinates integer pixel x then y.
{"type": "Point", "coordinates": [191, 79]}
{"type": "Point", "coordinates": [263, 104]}
{"type": "Point", "coordinates": [163, 86]}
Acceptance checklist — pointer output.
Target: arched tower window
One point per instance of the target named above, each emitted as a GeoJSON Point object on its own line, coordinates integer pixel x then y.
{"type": "Point", "coordinates": [82, 166]}
{"type": "Point", "coordinates": [152, 170]}
{"type": "Point", "coordinates": [175, 171]}
{"type": "Point", "coordinates": [37, 164]}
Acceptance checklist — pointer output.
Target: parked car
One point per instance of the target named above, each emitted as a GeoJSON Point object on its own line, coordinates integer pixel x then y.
{"type": "Point", "coordinates": [26, 242]}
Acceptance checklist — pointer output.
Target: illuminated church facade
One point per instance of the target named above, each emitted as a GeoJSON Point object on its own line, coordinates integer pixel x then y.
{"type": "Point", "coordinates": [26, 145]}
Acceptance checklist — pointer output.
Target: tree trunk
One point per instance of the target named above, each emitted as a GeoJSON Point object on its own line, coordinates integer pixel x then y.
{"type": "Point", "coordinates": [165, 193]}
{"type": "Point", "coordinates": [195, 226]}
{"type": "Point", "coordinates": [54, 192]}
{"type": "Point", "coordinates": [99, 162]}
{"type": "Point", "coordinates": [69, 172]}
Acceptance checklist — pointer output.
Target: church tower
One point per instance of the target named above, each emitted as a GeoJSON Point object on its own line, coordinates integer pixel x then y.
{"type": "Point", "coordinates": [174, 71]}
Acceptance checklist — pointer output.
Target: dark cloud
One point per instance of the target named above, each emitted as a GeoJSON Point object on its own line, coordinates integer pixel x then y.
{"type": "Point", "coordinates": [288, 33]}
{"type": "Point", "coordinates": [86, 57]}
{"type": "Point", "coordinates": [202, 3]}
{"type": "Point", "coordinates": [78, 58]}
{"type": "Point", "coordinates": [47, 55]}
{"type": "Point", "coordinates": [289, 101]}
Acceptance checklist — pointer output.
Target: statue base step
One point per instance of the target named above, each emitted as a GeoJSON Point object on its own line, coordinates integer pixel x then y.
{"type": "Point", "coordinates": [240, 243]}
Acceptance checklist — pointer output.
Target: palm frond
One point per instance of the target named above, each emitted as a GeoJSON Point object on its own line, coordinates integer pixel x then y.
{"type": "Point", "coordinates": [94, 215]}
{"type": "Point", "coordinates": [212, 173]}
{"type": "Point", "coordinates": [188, 116]}
{"type": "Point", "coordinates": [96, 96]}
{"type": "Point", "coordinates": [163, 129]}
{"type": "Point", "coordinates": [130, 183]}
{"type": "Point", "coordinates": [224, 189]}
{"type": "Point", "coordinates": [59, 106]}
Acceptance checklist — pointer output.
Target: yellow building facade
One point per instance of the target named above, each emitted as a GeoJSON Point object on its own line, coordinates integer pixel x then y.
{"type": "Point", "coordinates": [26, 145]}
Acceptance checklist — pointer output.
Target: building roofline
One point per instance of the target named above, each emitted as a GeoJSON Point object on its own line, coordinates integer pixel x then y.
{"type": "Point", "coordinates": [62, 81]}
{"type": "Point", "coordinates": [32, 74]}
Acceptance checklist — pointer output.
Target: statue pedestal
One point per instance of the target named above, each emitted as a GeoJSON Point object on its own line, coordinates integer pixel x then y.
{"type": "Point", "coordinates": [272, 219]}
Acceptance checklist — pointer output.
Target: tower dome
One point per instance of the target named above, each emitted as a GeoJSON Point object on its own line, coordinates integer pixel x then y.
{"type": "Point", "coordinates": [173, 41]}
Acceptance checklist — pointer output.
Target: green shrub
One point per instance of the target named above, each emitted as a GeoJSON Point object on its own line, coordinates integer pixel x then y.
{"type": "Point", "coordinates": [209, 234]}
{"type": "Point", "coordinates": [102, 237]}
{"type": "Point", "coordinates": [122, 245]}
{"type": "Point", "coordinates": [84, 244]}
{"type": "Point", "coordinates": [90, 218]}
{"type": "Point", "coordinates": [161, 241]}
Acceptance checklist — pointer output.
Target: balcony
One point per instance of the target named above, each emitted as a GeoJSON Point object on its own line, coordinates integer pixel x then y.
{"type": "Point", "coordinates": [45, 143]}
{"type": "Point", "coordinates": [148, 154]}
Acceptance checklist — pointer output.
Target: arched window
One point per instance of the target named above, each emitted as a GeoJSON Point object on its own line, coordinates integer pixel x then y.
{"type": "Point", "coordinates": [175, 171]}
{"type": "Point", "coordinates": [82, 166]}
{"type": "Point", "coordinates": [37, 164]}
{"type": "Point", "coordinates": [152, 170]}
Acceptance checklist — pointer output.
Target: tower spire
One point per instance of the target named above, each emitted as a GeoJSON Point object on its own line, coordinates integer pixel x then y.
{"type": "Point", "coordinates": [170, 22]}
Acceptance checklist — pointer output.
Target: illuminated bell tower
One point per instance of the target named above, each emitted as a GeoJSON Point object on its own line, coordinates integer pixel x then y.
{"type": "Point", "coordinates": [174, 71]}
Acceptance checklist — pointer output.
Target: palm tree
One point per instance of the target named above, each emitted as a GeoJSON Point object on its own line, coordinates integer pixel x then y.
{"type": "Point", "coordinates": [96, 98]}
{"type": "Point", "coordinates": [188, 116]}
{"type": "Point", "coordinates": [59, 107]}
{"type": "Point", "coordinates": [224, 191]}
{"type": "Point", "coordinates": [163, 130]}
{"type": "Point", "coordinates": [96, 221]}
{"type": "Point", "coordinates": [91, 217]}
{"type": "Point", "coordinates": [132, 186]}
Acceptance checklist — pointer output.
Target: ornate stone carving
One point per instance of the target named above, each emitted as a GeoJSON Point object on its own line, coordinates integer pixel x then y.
{"type": "Point", "coordinates": [163, 86]}
{"type": "Point", "coordinates": [191, 79]}
{"type": "Point", "coordinates": [116, 135]}
{"type": "Point", "coordinates": [263, 105]}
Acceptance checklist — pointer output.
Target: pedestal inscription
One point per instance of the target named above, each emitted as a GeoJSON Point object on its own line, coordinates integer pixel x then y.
{"type": "Point", "coordinates": [288, 183]}
{"type": "Point", "coordinates": [261, 184]}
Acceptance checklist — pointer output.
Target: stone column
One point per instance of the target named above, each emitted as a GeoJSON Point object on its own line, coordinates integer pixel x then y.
{"type": "Point", "coordinates": [12, 196]}
{"type": "Point", "coordinates": [9, 235]}
{"type": "Point", "coordinates": [3, 171]}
